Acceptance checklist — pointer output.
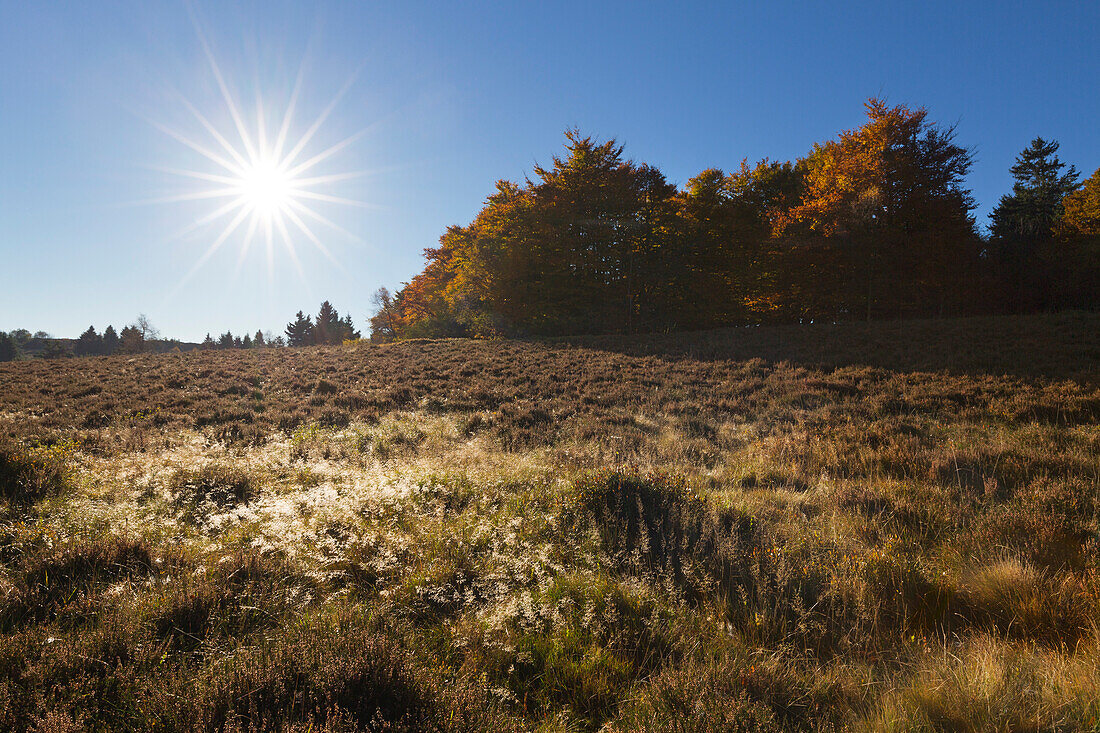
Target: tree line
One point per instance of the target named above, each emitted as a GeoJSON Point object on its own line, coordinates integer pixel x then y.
{"type": "Point", "coordinates": [134, 338]}
{"type": "Point", "coordinates": [327, 327]}
{"type": "Point", "coordinates": [876, 223]}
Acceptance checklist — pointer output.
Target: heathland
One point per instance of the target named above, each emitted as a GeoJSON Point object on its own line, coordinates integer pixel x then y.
{"type": "Point", "coordinates": [885, 526]}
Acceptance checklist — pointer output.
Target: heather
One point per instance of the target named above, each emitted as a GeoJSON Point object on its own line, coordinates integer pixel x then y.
{"type": "Point", "coordinates": [880, 526]}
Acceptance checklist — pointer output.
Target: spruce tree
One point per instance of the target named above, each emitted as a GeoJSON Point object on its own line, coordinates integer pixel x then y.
{"type": "Point", "coordinates": [90, 343]}
{"type": "Point", "coordinates": [1022, 226]}
{"type": "Point", "coordinates": [110, 340]}
{"type": "Point", "coordinates": [299, 332]}
{"type": "Point", "coordinates": [327, 326]}
{"type": "Point", "coordinates": [347, 330]}
{"type": "Point", "coordinates": [130, 340]}
{"type": "Point", "coordinates": [1034, 207]}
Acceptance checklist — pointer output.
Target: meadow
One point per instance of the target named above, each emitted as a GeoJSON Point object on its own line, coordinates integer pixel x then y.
{"type": "Point", "coordinates": [878, 527]}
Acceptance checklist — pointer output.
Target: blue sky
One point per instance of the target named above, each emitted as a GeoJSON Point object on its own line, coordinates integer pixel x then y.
{"type": "Point", "coordinates": [448, 98]}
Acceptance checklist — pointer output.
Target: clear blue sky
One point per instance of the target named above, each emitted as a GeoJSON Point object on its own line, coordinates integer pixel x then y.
{"type": "Point", "coordinates": [453, 96]}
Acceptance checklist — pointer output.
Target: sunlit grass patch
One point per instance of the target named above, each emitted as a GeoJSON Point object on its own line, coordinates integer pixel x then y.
{"type": "Point", "coordinates": [986, 684]}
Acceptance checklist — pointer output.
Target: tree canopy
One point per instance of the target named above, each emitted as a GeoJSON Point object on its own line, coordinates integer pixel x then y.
{"type": "Point", "coordinates": [875, 223]}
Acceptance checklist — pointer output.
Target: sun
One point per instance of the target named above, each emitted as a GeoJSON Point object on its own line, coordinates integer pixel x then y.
{"type": "Point", "coordinates": [266, 187]}
{"type": "Point", "coordinates": [263, 182]}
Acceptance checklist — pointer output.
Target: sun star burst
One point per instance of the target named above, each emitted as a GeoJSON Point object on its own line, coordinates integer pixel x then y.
{"type": "Point", "coordinates": [258, 181]}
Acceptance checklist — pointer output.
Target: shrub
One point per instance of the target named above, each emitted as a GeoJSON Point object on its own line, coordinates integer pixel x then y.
{"type": "Point", "coordinates": [225, 486]}
{"type": "Point", "coordinates": [30, 473]}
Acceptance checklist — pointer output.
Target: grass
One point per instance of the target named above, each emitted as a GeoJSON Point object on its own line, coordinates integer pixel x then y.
{"type": "Point", "coordinates": [862, 527]}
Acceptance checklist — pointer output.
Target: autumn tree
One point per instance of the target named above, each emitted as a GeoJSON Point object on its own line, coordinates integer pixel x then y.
{"type": "Point", "coordinates": [1073, 257]}
{"type": "Point", "coordinates": [718, 264]}
{"type": "Point", "coordinates": [875, 223]}
{"type": "Point", "coordinates": [1081, 209]}
{"type": "Point", "coordinates": [602, 221]}
{"type": "Point", "coordinates": [383, 324]}
{"type": "Point", "coordinates": [887, 202]}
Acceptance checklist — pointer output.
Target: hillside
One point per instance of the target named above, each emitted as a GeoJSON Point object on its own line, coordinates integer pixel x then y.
{"type": "Point", "coordinates": [886, 526]}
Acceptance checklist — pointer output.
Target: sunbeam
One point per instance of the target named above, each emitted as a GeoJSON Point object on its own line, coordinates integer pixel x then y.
{"type": "Point", "coordinates": [257, 170]}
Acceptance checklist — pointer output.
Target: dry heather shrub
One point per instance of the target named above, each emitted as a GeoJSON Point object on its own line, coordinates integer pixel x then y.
{"type": "Point", "coordinates": [228, 596]}
{"type": "Point", "coordinates": [1049, 523]}
{"type": "Point", "coordinates": [49, 579]}
{"type": "Point", "coordinates": [58, 722]}
{"type": "Point", "coordinates": [223, 485]}
{"type": "Point", "coordinates": [577, 644]}
{"type": "Point", "coordinates": [30, 473]}
{"type": "Point", "coordinates": [520, 426]}
{"type": "Point", "coordinates": [334, 671]}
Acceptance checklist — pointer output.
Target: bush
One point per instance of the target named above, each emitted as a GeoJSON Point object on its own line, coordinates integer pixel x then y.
{"type": "Point", "coordinates": [29, 474]}
{"type": "Point", "coordinates": [222, 485]}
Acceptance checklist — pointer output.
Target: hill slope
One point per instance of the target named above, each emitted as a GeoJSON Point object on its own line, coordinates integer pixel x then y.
{"type": "Point", "coordinates": [880, 526]}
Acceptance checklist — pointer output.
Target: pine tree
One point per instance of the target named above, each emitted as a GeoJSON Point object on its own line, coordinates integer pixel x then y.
{"type": "Point", "coordinates": [1034, 207]}
{"type": "Point", "coordinates": [299, 332]}
{"type": "Point", "coordinates": [347, 330]}
{"type": "Point", "coordinates": [209, 343]}
{"type": "Point", "coordinates": [1022, 226]}
{"type": "Point", "coordinates": [110, 340]}
{"type": "Point", "coordinates": [246, 342]}
{"type": "Point", "coordinates": [130, 340]}
{"type": "Point", "coordinates": [90, 343]}
{"type": "Point", "coordinates": [258, 340]}
{"type": "Point", "coordinates": [7, 347]}
{"type": "Point", "coordinates": [225, 341]}
{"type": "Point", "coordinates": [326, 327]}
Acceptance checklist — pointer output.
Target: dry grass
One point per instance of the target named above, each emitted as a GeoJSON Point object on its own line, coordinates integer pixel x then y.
{"type": "Point", "coordinates": [888, 527]}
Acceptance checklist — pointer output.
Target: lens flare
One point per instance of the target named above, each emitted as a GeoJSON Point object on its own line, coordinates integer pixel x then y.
{"type": "Point", "coordinates": [263, 177]}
